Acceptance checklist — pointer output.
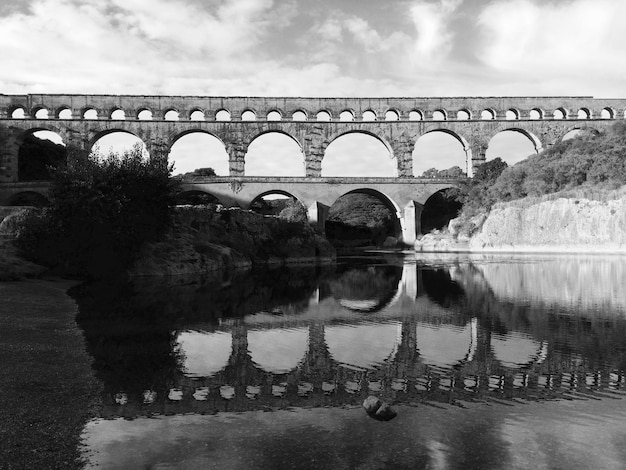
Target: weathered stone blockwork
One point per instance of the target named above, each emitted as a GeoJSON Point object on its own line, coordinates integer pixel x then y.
{"type": "Point", "coordinates": [411, 118]}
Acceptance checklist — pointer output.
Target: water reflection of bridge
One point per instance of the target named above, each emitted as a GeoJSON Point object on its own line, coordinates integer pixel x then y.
{"type": "Point", "coordinates": [406, 347]}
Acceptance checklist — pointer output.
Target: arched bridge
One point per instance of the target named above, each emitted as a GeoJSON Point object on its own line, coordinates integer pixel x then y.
{"type": "Point", "coordinates": [313, 123]}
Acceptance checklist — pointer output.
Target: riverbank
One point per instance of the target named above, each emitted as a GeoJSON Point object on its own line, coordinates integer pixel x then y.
{"type": "Point", "coordinates": [204, 240]}
{"type": "Point", "coordinates": [49, 390]}
{"type": "Point", "coordinates": [550, 224]}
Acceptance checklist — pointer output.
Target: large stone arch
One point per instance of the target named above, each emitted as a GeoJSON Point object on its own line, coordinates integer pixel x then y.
{"type": "Point", "coordinates": [275, 130]}
{"type": "Point", "coordinates": [467, 147]}
{"type": "Point", "coordinates": [357, 129]}
{"type": "Point", "coordinates": [282, 192]}
{"type": "Point", "coordinates": [526, 133]}
{"type": "Point", "coordinates": [386, 200]}
{"type": "Point", "coordinates": [38, 168]}
{"type": "Point", "coordinates": [104, 132]}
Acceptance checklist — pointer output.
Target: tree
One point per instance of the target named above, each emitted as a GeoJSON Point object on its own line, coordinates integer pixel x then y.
{"type": "Point", "coordinates": [102, 209]}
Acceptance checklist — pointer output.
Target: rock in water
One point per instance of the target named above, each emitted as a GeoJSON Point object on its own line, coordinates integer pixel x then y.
{"type": "Point", "coordinates": [371, 404]}
{"type": "Point", "coordinates": [379, 410]}
{"type": "Point", "coordinates": [385, 413]}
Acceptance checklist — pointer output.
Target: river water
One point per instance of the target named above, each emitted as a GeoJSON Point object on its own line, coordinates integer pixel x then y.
{"type": "Point", "coordinates": [490, 362]}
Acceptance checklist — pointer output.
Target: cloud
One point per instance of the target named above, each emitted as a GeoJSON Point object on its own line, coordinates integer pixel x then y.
{"type": "Point", "coordinates": [568, 42]}
{"type": "Point", "coordinates": [431, 19]}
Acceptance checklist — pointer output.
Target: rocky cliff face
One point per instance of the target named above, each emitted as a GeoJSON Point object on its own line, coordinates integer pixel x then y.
{"type": "Point", "coordinates": [204, 240]}
{"type": "Point", "coordinates": [566, 225]}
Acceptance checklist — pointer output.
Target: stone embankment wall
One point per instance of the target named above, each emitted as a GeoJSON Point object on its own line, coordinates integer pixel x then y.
{"type": "Point", "coordinates": [560, 225]}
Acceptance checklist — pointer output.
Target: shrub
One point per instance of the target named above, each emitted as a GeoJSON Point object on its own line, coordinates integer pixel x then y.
{"type": "Point", "coordinates": [102, 209]}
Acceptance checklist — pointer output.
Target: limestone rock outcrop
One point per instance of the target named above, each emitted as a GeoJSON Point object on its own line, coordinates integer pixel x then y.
{"type": "Point", "coordinates": [564, 224]}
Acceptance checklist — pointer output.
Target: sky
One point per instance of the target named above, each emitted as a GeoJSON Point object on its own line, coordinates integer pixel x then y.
{"type": "Point", "coordinates": [316, 48]}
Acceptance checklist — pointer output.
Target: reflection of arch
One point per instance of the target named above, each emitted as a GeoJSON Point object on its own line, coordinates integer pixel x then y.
{"type": "Point", "coordinates": [365, 345]}
{"type": "Point", "coordinates": [517, 350]}
{"type": "Point", "coordinates": [278, 350]}
{"type": "Point", "coordinates": [444, 345]}
{"type": "Point", "coordinates": [441, 288]}
{"type": "Point", "coordinates": [367, 289]}
{"type": "Point", "coordinates": [28, 198]}
{"type": "Point", "coordinates": [205, 354]}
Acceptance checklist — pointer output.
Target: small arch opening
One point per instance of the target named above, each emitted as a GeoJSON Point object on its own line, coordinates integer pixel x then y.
{"type": "Point", "coordinates": [41, 113]}
{"type": "Point", "coordinates": [299, 116]}
{"type": "Point", "coordinates": [118, 115]}
{"type": "Point", "coordinates": [18, 113]}
{"type": "Point", "coordinates": [416, 115]}
{"type": "Point", "coordinates": [64, 113]}
{"type": "Point", "coordinates": [145, 115]}
{"type": "Point", "coordinates": [274, 116]}
{"type": "Point", "coordinates": [323, 116]}
{"type": "Point", "coordinates": [607, 113]}
{"type": "Point", "coordinates": [584, 113]}
{"type": "Point", "coordinates": [487, 115]}
{"type": "Point", "coordinates": [392, 115]}
{"type": "Point", "coordinates": [369, 115]}
{"type": "Point", "coordinates": [559, 113]}
{"type": "Point", "coordinates": [90, 114]}
{"type": "Point", "coordinates": [535, 114]}
{"type": "Point", "coordinates": [223, 115]}
{"type": "Point", "coordinates": [248, 115]}
{"type": "Point", "coordinates": [172, 115]}
{"type": "Point", "coordinates": [439, 115]}
{"type": "Point", "coordinates": [197, 115]}
{"type": "Point", "coordinates": [463, 115]}
{"type": "Point", "coordinates": [572, 134]}
{"type": "Point", "coordinates": [512, 114]}
{"type": "Point", "coordinates": [346, 116]}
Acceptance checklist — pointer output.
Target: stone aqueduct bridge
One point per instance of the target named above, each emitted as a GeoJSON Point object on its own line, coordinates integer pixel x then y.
{"type": "Point", "coordinates": [313, 123]}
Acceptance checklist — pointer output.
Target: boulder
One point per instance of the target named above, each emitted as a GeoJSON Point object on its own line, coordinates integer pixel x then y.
{"type": "Point", "coordinates": [378, 409]}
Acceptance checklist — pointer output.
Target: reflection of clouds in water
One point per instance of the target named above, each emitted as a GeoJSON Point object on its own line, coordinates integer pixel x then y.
{"type": "Point", "coordinates": [278, 350]}
{"type": "Point", "coordinates": [205, 353]}
{"type": "Point", "coordinates": [575, 282]}
{"type": "Point", "coordinates": [443, 345]}
{"type": "Point", "coordinates": [515, 350]}
{"type": "Point", "coordinates": [364, 345]}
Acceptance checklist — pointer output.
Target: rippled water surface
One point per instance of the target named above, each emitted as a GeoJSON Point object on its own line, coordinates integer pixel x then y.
{"type": "Point", "coordinates": [490, 362]}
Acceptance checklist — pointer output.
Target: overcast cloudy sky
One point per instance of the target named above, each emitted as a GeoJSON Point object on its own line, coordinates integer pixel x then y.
{"type": "Point", "coordinates": [314, 48]}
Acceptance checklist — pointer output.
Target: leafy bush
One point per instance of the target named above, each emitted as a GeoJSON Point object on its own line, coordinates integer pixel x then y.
{"type": "Point", "coordinates": [37, 156]}
{"type": "Point", "coordinates": [102, 209]}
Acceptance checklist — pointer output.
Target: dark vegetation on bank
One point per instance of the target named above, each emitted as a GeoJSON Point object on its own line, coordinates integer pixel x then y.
{"type": "Point", "coordinates": [104, 210]}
